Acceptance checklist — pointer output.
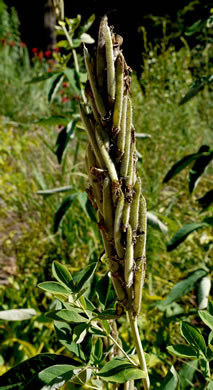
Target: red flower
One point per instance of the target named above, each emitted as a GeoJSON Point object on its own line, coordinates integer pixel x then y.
{"type": "Point", "coordinates": [3, 41]}
{"type": "Point", "coordinates": [64, 99]}
{"type": "Point", "coordinates": [48, 53]}
{"type": "Point", "coordinates": [12, 43]}
{"type": "Point", "coordinates": [34, 50]}
{"type": "Point", "coordinates": [65, 85]}
{"type": "Point", "coordinates": [40, 55]}
{"type": "Point", "coordinates": [57, 49]}
{"type": "Point", "coordinates": [22, 44]}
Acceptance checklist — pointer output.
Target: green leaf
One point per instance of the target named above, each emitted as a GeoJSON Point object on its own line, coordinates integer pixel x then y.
{"type": "Point", "coordinates": [203, 292]}
{"type": "Point", "coordinates": [61, 273]}
{"type": "Point", "coordinates": [193, 337]}
{"type": "Point", "coordinates": [170, 382]}
{"type": "Point", "coordinates": [206, 200]}
{"type": "Point", "coordinates": [195, 88]}
{"type": "Point", "coordinates": [120, 371]}
{"type": "Point", "coordinates": [106, 326]}
{"type": "Point", "coordinates": [199, 166]}
{"type": "Point", "coordinates": [26, 375]}
{"type": "Point", "coordinates": [182, 350]}
{"type": "Point", "coordinates": [83, 277]}
{"type": "Point", "coordinates": [54, 190]}
{"type": "Point", "coordinates": [206, 318]}
{"type": "Point", "coordinates": [64, 335]}
{"type": "Point", "coordinates": [86, 206]}
{"type": "Point", "coordinates": [182, 233]}
{"type": "Point", "coordinates": [186, 374]}
{"type": "Point", "coordinates": [58, 374]}
{"type": "Point", "coordinates": [143, 135]}
{"type": "Point", "coordinates": [86, 38]}
{"type": "Point", "coordinates": [82, 376]}
{"type": "Point", "coordinates": [17, 314]}
{"type": "Point", "coordinates": [86, 26]}
{"type": "Point", "coordinates": [210, 339]}
{"type": "Point", "coordinates": [155, 222]}
{"type": "Point", "coordinates": [182, 288]}
{"type": "Point", "coordinates": [42, 77]}
{"type": "Point", "coordinates": [54, 120]}
{"type": "Point", "coordinates": [54, 86]}
{"type": "Point", "coordinates": [103, 289]}
{"type": "Point", "coordinates": [79, 333]}
{"type": "Point", "coordinates": [108, 314]}
{"type": "Point", "coordinates": [180, 165]}
{"type": "Point", "coordinates": [195, 27]}
{"type": "Point", "coordinates": [208, 220]}
{"type": "Point", "coordinates": [63, 139]}
{"type": "Point", "coordinates": [54, 288]}
{"type": "Point", "coordinates": [210, 386]}
{"type": "Point", "coordinates": [73, 79]}
{"type": "Point", "coordinates": [70, 316]}
{"type": "Point", "coordinates": [62, 209]}
{"type": "Point", "coordinates": [98, 351]}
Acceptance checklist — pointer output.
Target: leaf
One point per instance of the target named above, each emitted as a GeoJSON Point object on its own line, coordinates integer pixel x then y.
{"type": "Point", "coordinates": [196, 87]}
{"type": "Point", "coordinates": [182, 233]}
{"type": "Point", "coordinates": [26, 375]}
{"type": "Point", "coordinates": [70, 316]}
{"type": "Point", "coordinates": [206, 318]}
{"type": "Point", "coordinates": [42, 77]}
{"type": "Point", "coordinates": [182, 350]}
{"type": "Point", "coordinates": [57, 374]}
{"type": "Point", "coordinates": [170, 382]}
{"type": "Point", "coordinates": [17, 314]}
{"type": "Point", "coordinates": [206, 200]}
{"type": "Point", "coordinates": [186, 374]}
{"type": "Point", "coordinates": [79, 333]}
{"type": "Point", "coordinates": [55, 120]}
{"type": "Point", "coordinates": [54, 190]}
{"type": "Point", "coordinates": [108, 314]}
{"type": "Point", "coordinates": [182, 288]}
{"type": "Point", "coordinates": [203, 292]}
{"type": "Point", "coordinates": [180, 165]}
{"type": "Point", "coordinates": [73, 79]}
{"type": "Point", "coordinates": [54, 86]}
{"type": "Point", "coordinates": [97, 351]}
{"type": "Point", "coordinates": [86, 38]}
{"type": "Point", "coordinates": [86, 206]}
{"type": "Point", "coordinates": [82, 376]}
{"type": "Point", "coordinates": [199, 166]}
{"type": "Point", "coordinates": [54, 288]}
{"type": "Point", "coordinates": [62, 209]}
{"type": "Point", "coordinates": [155, 222]}
{"type": "Point", "coordinates": [210, 386]}
{"type": "Point", "coordinates": [86, 26]}
{"type": "Point", "coordinates": [142, 135]}
{"type": "Point", "coordinates": [63, 139]}
{"type": "Point", "coordinates": [208, 220]}
{"type": "Point", "coordinates": [29, 349]}
{"type": "Point", "coordinates": [120, 371]}
{"type": "Point", "coordinates": [195, 27]}
{"type": "Point", "coordinates": [193, 337]}
{"type": "Point", "coordinates": [61, 273]}
{"type": "Point", "coordinates": [83, 277]}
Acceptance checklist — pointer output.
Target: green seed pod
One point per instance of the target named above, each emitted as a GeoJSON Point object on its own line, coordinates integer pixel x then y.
{"type": "Point", "coordinates": [140, 272]}
{"type": "Point", "coordinates": [108, 207]}
{"type": "Point", "coordinates": [90, 72]}
{"type": "Point", "coordinates": [129, 259]}
{"type": "Point", "coordinates": [110, 66]}
{"type": "Point", "coordinates": [117, 226]}
{"type": "Point", "coordinates": [103, 135]}
{"type": "Point", "coordinates": [134, 215]}
{"type": "Point", "coordinates": [101, 57]}
{"type": "Point", "coordinates": [125, 160]}
{"type": "Point", "coordinates": [91, 162]}
{"type": "Point", "coordinates": [126, 215]}
{"type": "Point", "coordinates": [122, 133]}
{"type": "Point", "coordinates": [117, 112]}
{"type": "Point", "coordinates": [129, 179]}
{"type": "Point", "coordinates": [120, 292]}
{"type": "Point", "coordinates": [140, 246]}
{"type": "Point", "coordinates": [91, 135]}
{"type": "Point", "coordinates": [106, 157]}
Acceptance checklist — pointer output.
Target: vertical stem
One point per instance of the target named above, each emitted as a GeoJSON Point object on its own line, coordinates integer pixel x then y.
{"type": "Point", "coordinates": [139, 349]}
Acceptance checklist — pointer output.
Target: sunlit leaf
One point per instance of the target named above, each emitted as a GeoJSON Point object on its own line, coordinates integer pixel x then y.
{"type": "Point", "coordinates": [186, 374]}
{"type": "Point", "coordinates": [203, 292]}
{"type": "Point", "coordinates": [182, 233]}
{"type": "Point", "coordinates": [207, 318]}
{"type": "Point", "coordinates": [79, 333]}
{"type": "Point", "coordinates": [155, 222]}
{"type": "Point", "coordinates": [82, 277]}
{"type": "Point", "coordinates": [119, 371]}
{"type": "Point", "coordinates": [181, 350]}
{"type": "Point", "coordinates": [54, 120]}
{"type": "Point", "coordinates": [17, 314]}
{"type": "Point", "coordinates": [86, 206]}
{"type": "Point", "coordinates": [54, 190]}
{"type": "Point", "coordinates": [170, 382]}
{"type": "Point", "coordinates": [61, 273]}
{"type": "Point", "coordinates": [54, 288]}
{"type": "Point", "coordinates": [193, 336]}
{"type": "Point", "coordinates": [70, 316]}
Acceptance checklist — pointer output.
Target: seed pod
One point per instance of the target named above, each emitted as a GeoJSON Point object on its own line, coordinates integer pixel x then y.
{"type": "Point", "coordinates": [140, 246]}
{"type": "Point", "coordinates": [140, 271]}
{"type": "Point", "coordinates": [117, 226]}
{"type": "Point", "coordinates": [110, 66]}
{"type": "Point", "coordinates": [126, 215]}
{"type": "Point", "coordinates": [103, 136]}
{"type": "Point", "coordinates": [100, 57]}
{"type": "Point", "coordinates": [134, 215]}
{"type": "Point", "coordinates": [125, 160]}
{"type": "Point", "coordinates": [91, 135]}
{"type": "Point", "coordinates": [117, 112]}
{"type": "Point", "coordinates": [106, 157]}
{"type": "Point", "coordinates": [122, 133]}
{"type": "Point", "coordinates": [129, 179]}
{"type": "Point", "coordinates": [108, 207]}
{"type": "Point", "coordinates": [120, 292]}
{"type": "Point", "coordinates": [91, 76]}
{"type": "Point", "coordinates": [129, 259]}
{"type": "Point", "coordinates": [95, 185]}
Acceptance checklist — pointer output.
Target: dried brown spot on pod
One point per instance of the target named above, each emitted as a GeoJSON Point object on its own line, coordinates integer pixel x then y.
{"type": "Point", "coordinates": [129, 192]}
{"type": "Point", "coordinates": [91, 197]}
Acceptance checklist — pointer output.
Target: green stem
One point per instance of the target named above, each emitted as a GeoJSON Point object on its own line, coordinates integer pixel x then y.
{"type": "Point", "coordinates": [139, 349]}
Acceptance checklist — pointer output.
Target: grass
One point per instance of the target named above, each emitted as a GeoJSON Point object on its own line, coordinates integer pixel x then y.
{"type": "Point", "coordinates": [28, 165]}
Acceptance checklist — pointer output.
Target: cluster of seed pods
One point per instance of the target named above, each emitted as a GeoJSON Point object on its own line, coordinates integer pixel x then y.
{"type": "Point", "coordinates": [115, 188]}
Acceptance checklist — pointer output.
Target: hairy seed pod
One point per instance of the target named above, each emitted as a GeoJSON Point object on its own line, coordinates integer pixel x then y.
{"type": "Point", "coordinates": [117, 226]}
{"type": "Point", "coordinates": [103, 135]}
{"type": "Point", "coordinates": [130, 173]}
{"type": "Point", "coordinates": [140, 246]}
{"type": "Point", "coordinates": [126, 215]}
{"type": "Point", "coordinates": [91, 135]}
{"type": "Point", "coordinates": [122, 133]}
{"type": "Point", "coordinates": [125, 159]}
{"type": "Point", "coordinates": [120, 292]}
{"type": "Point", "coordinates": [101, 57]}
{"type": "Point", "coordinates": [140, 271]}
{"type": "Point", "coordinates": [129, 259]}
{"type": "Point", "coordinates": [110, 66]}
{"type": "Point", "coordinates": [106, 157]}
{"type": "Point", "coordinates": [108, 207]}
{"type": "Point", "coordinates": [117, 112]}
{"type": "Point", "coordinates": [94, 183]}
{"type": "Point", "coordinates": [134, 215]}
{"type": "Point", "coordinates": [91, 76]}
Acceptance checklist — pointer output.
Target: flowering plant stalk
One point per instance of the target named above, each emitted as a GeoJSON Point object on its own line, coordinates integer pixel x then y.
{"type": "Point", "coordinates": [115, 188]}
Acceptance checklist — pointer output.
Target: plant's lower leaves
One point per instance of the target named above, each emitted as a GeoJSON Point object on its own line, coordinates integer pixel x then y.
{"type": "Point", "coordinates": [199, 166]}
{"type": "Point", "coordinates": [180, 165]}
{"type": "Point", "coordinates": [203, 292]}
{"type": "Point", "coordinates": [54, 86]}
{"type": "Point", "coordinates": [183, 351]}
{"type": "Point", "coordinates": [25, 376]}
{"type": "Point", "coordinates": [186, 374]}
{"type": "Point", "coordinates": [62, 209]}
{"type": "Point", "coordinates": [79, 333]}
{"type": "Point", "coordinates": [120, 371]}
{"type": "Point", "coordinates": [17, 314]}
{"type": "Point", "coordinates": [86, 206]}
{"type": "Point", "coordinates": [42, 77]}
{"type": "Point", "coordinates": [54, 190]}
{"type": "Point", "coordinates": [209, 386]}
{"type": "Point", "coordinates": [206, 200]}
{"type": "Point", "coordinates": [170, 382]}
{"type": "Point", "coordinates": [207, 318]}
{"type": "Point", "coordinates": [54, 288]}
{"type": "Point", "coordinates": [193, 337]}
{"type": "Point", "coordinates": [61, 273]}
{"type": "Point", "coordinates": [70, 316]}
{"type": "Point", "coordinates": [73, 79]}
{"type": "Point", "coordinates": [55, 120]}
{"type": "Point", "coordinates": [155, 222]}
{"type": "Point", "coordinates": [63, 139]}
{"type": "Point", "coordinates": [82, 376]}
{"type": "Point", "coordinates": [82, 277]}
{"type": "Point", "coordinates": [57, 374]}
{"type": "Point", "coordinates": [182, 288]}
{"type": "Point", "coordinates": [182, 233]}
